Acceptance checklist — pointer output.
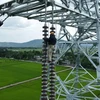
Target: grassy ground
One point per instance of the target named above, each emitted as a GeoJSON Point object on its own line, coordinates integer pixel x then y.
{"type": "Point", "coordinates": [12, 71]}
{"type": "Point", "coordinates": [27, 91]}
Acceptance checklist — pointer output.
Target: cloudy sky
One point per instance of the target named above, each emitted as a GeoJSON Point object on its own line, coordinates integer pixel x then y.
{"type": "Point", "coordinates": [18, 29]}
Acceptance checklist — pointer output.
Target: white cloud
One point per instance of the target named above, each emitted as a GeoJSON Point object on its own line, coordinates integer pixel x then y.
{"type": "Point", "coordinates": [18, 29]}
{"type": "Point", "coordinates": [20, 34]}
{"type": "Point", "coordinates": [17, 22]}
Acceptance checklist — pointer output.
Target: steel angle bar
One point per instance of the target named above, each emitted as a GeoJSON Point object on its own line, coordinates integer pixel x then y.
{"type": "Point", "coordinates": [72, 10]}
{"type": "Point", "coordinates": [88, 42]}
{"type": "Point", "coordinates": [64, 52]}
{"type": "Point", "coordinates": [26, 7]}
{"type": "Point", "coordinates": [49, 14]}
{"type": "Point", "coordinates": [62, 84]}
{"type": "Point", "coordinates": [87, 56]}
{"type": "Point", "coordinates": [27, 14]}
{"type": "Point", "coordinates": [86, 29]}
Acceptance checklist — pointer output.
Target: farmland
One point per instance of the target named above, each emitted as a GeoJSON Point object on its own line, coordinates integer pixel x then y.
{"type": "Point", "coordinates": [13, 71]}
{"type": "Point", "coordinates": [23, 79]}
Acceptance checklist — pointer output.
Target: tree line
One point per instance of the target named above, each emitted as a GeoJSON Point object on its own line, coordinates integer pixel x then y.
{"type": "Point", "coordinates": [21, 55]}
{"type": "Point", "coordinates": [72, 58]}
{"type": "Point", "coordinates": [33, 54]}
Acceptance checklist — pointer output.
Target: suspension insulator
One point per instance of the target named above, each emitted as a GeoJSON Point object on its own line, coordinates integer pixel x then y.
{"type": "Point", "coordinates": [52, 73]}
{"type": "Point", "coordinates": [45, 27]}
{"type": "Point", "coordinates": [44, 92]}
{"type": "Point", "coordinates": [45, 31]}
{"type": "Point", "coordinates": [1, 23]}
{"type": "Point", "coordinates": [52, 28]}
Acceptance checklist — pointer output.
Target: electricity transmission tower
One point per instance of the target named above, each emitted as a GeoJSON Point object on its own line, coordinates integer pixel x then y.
{"type": "Point", "coordinates": [84, 17]}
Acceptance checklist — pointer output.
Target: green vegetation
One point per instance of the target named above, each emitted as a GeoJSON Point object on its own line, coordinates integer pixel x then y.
{"type": "Point", "coordinates": [21, 53]}
{"type": "Point", "coordinates": [35, 54]}
{"type": "Point", "coordinates": [12, 71]}
{"type": "Point", "coordinates": [26, 91]}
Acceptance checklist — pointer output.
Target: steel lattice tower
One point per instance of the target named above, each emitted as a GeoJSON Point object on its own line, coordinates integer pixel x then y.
{"type": "Point", "coordinates": [84, 16]}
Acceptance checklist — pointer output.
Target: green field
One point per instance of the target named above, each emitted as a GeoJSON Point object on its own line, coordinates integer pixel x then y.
{"type": "Point", "coordinates": [12, 71]}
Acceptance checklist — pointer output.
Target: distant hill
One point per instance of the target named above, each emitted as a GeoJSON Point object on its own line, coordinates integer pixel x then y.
{"type": "Point", "coordinates": [37, 43]}
{"type": "Point", "coordinates": [33, 43]}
